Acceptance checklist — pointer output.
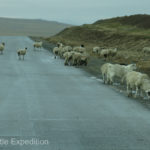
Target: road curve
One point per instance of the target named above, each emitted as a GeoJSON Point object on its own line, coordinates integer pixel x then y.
{"type": "Point", "coordinates": [41, 98]}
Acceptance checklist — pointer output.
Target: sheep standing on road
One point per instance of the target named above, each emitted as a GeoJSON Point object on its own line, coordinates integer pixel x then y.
{"type": "Point", "coordinates": [2, 46]}
{"type": "Point", "coordinates": [118, 71]}
{"type": "Point", "coordinates": [104, 68]}
{"type": "Point", "coordinates": [64, 50]}
{"type": "Point", "coordinates": [79, 59]}
{"type": "Point", "coordinates": [21, 52]}
{"type": "Point", "coordinates": [145, 88]}
{"type": "Point", "coordinates": [68, 57]}
{"type": "Point", "coordinates": [75, 58]}
{"type": "Point", "coordinates": [57, 49]}
{"type": "Point", "coordinates": [134, 81]}
{"type": "Point", "coordinates": [38, 45]}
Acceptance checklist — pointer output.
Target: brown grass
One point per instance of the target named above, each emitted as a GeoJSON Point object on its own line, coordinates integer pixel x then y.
{"type": "Point", "coordinates": [119, 32]}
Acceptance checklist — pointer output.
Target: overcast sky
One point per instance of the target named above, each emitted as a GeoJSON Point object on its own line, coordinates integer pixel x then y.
{"type": "Point", "coordinates": [72, 11]}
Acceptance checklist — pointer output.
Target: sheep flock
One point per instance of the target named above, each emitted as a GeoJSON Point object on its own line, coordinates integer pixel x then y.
{"type": "Point", "coordinates": [137, 84]}
{"type": "Point", "coordinates": [73, 56]}
{"type": "Point", "coordinates": [21, 52]}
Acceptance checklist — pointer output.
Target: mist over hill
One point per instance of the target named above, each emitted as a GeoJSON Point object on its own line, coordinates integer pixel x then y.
{"type": "Point", "coordinates": [30, 27]}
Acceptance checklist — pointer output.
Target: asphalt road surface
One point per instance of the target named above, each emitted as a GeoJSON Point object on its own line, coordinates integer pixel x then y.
{"type": "Point", "coordinates": [41, 98]}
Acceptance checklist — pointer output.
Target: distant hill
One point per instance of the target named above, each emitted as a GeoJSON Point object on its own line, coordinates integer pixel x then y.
{"type": "Point", "coordinates": [141, 21]}
{"type": "Point", "coordinates": [130, 34]}
{"type": "Point", "coordinates": [29, 27]}
{"type": "Point", "coordinates": [120, 31]}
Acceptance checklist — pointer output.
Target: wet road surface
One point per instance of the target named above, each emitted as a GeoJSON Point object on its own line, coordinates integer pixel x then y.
{"type": "Point", "coordinates": [41, 98]}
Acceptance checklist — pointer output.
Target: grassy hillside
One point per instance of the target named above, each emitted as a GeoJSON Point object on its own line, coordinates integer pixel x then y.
{"type": "Point", "coordinates": [129, 34]}
{"type": "Point", "coordinates": [29, 27]}
{"type": "Point", "coordinates": [110, 32]}
{"type": "Point", "coordinates": [141, 21]}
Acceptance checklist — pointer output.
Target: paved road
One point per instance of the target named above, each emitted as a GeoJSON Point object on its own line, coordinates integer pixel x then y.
{"type": "Point", "coordinates": [42, 99]}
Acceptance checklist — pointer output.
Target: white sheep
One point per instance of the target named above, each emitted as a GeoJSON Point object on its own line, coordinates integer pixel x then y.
{"type": "Point", "coordinates": [2, 46]}
{"type": "Point", "coordinates": [107, 53]}
{"type": "Point", "coordinates": [84, 60]}
{"type": "Point", "coordinates": [57, 50]}
{"type": "Point", "coordinates": [104, 53]}
{"type": "Point", "coordinates": [21, 52]}
{"type": "Point", "coordinates": [104, 68]}
{"type": "Point", "coordinates": [134, 81]}
{"type": "Point", "coordinates": [65, 49]}
{"type": "Point", "coordinates": [96, 50]}
{"type": "Point", "coordinates": [118, 71]}
{"type": "Point", "coordinates": [59, 44]}
{"type": "Point", "coordinates": [68, 57]}
{"type": "Point", "coordinates": [37, 45]}
{"type": "Point", "coordinates": [146, 50]}
{"type": "Point", "coordinates": [145, 88]}
{"type": "Point", "coordinates": [79, 59]}
{"type": "Point", "coordinates": [76, 48]}
{"type": "Point", "coordinates": [112, 52]}
{"type": "Point", "coordinates": [80, 49]}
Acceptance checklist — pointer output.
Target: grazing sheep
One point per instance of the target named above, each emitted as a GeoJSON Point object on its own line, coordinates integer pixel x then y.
{"type": "Point", "coordinates": [2, 46]}
{"type": "Point", "coordinates": [146, 50]}
{"type": "Point", "coordinates": [134, 81]}
{"type": "Point", "coordinates": [96, 50]}
{"type": "Point", "coordinates": [118, 71]}
{"type": "Point", "coordinates": [65, 49]}
{"type": "Point", "coordinates": [80, 49]}
{"type": "Point", "coordinates": [21, 52]}
{"type": "Point", "coordinates": [112, 52]}
{"type": "Point", "coordinates": [107, 53]}
{"type": "Point", "coordinates": [59, 44]}
{"type": "Point", "coordinates": [79, 59]}
{"type": "Point", "coordinates": [57, 50]}
{"type": "Point", "coordinates": [37, 45]}
{"type": "Point", "coordinates": [76, 48]}
{"type": "Point", "coordinates": [68, 57]}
